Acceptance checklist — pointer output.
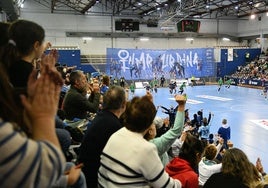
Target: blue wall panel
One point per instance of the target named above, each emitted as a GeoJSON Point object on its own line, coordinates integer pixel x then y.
{"type": "Point", "coordinates": [225, 67]}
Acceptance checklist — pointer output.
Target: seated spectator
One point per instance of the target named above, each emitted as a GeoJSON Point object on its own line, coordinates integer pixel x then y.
{"type": "Point", "coordinates": [162, 126]}
{"type": "Point", "coordinates": [105, 84]}
{"type": "Point", "coordinates": [264, 177]}
{"type": "Point", "coordinates": [75, 104]}
{"type": "Point", "coordinates": [72, 177]}
{"type": "Point", "coordinates": [236, 171]}
{"type": "Point", "coordinates": [208, 166]}
{"type": "Point", "coordinates": [103, 126]}
{"type": "Point", "coordinates": [136, 163]}
{"type": "Point", "coordinates": [36, 161]}
{"type": "Point", "coordinates": [185, 167]}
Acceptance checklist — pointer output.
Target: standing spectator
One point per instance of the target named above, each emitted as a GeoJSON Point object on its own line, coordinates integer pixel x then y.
{"type": "Point", "coordinates": [128, 160]}
{"type": "Point", "coordinates": [36, 161]}
{"type": "Point", "coordinates": [171, 113]}
{"type": "Point", "coordinates": [204, 130]}
{"type": "Point", "coordinates": [186, 118]}
{"type": "Point", "coordinates": [237, 171]}
{"type": "Point", "coordinates": [199, 118]}
{"type": "Point", "coordinates": [225, 133]}
{"type": "Point", "coordinates": [24, 49]}
{"type": "Point", "coordinates": [103, 126]}
{"type": "Point", "coordinates": [25, 44]}
{"type": "Point", "coordinates": [75, 104]}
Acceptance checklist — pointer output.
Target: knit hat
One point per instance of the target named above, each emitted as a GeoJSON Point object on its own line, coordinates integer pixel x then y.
{"type": "Point", "coordinates": [158, 121]}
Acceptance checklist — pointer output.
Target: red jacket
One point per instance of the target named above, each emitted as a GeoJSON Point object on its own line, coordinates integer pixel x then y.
{"type": "Point", "coordinates": [180, 169]}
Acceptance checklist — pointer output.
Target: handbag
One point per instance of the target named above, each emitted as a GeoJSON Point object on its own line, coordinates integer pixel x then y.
{"type": "Point", "coordinates": [77, 128]}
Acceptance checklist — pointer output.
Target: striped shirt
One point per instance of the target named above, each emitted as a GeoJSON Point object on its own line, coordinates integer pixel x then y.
{"type": "Point", "coordinates": [128, 160]}
{"type": "Point", "coordinates": [25, 162]}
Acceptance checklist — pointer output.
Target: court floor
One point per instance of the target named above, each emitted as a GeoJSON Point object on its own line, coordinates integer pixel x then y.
{"type": "Point", "coordinates": [245, 109]}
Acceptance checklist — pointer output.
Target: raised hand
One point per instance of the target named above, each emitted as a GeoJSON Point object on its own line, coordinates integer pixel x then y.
{"type": "Point", "coordinates": [180, 99]}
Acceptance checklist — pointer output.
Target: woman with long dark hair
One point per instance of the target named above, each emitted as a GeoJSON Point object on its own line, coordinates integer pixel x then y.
{"type": "Point", "coordinates": [25, 162]}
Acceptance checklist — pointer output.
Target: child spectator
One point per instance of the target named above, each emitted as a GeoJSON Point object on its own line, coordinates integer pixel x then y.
{"type": "Point", "coordinates": [225, 132]}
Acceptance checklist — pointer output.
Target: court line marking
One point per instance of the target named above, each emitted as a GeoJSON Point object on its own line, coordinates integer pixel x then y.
{"type": "Point", "coordinates": [261, 122]}
{"type": "Point", "coordinates": [214, 98]}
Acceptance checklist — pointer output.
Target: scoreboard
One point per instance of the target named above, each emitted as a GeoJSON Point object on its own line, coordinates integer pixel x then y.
{"type": "Point", "coordinates": [188, 26]}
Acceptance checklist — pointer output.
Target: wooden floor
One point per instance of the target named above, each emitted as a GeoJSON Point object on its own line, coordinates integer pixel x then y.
{"type": "Point", "coordinates": [245, 109]}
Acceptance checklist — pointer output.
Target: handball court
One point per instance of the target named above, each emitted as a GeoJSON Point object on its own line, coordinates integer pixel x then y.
{"type": "Point", "coordinates": [245, 109]}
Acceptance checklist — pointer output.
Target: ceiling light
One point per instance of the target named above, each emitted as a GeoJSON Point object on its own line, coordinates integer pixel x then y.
{"type": "Point", "coordinates": [252, 16]}
{"type": "Point", "coordinates": [257, 5]}
{"type": "Point", "coordinates": [225, 39]}
{"type": "Point", "coordinates": [189, 39]}
{"type": "Point", "coordinates": [87, 38]}
{"type": "Point", "coordinates": [144, 39]}
{"type": "Point", "coordinates": [139, 3]}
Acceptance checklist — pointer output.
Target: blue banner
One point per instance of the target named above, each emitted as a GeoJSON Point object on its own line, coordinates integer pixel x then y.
{"type": "Point", "coordinates": [146, 64]}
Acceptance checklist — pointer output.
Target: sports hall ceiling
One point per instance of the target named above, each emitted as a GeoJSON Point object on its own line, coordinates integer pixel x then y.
{"type": "Point", "coordinates": [163, 12]}
{"type": "Point", "coordinates": [151, 9]}
{"type": "Point", "coordinates": [157, 9]}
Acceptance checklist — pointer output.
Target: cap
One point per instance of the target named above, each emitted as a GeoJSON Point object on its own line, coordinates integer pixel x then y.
{"type": "Point", "coordinates": [158, 121]}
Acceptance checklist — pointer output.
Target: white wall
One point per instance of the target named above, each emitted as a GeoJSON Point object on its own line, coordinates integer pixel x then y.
{"type": "Point", "coordinates": [57, 24]}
